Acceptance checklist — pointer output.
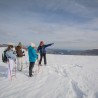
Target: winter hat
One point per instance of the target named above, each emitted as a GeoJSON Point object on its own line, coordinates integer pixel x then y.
{"type": "Point", "coordinates": [32, 44]}
{"type": "Point", "coordinates": [20, 44]}
{"type": "Point", "coordinates": [41, 43]}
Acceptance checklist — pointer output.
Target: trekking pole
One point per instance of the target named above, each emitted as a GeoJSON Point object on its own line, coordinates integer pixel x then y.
{"type": "Point", "coordinates": [38, 65]}
{"type": "Point", "coordinates": [15, 69]}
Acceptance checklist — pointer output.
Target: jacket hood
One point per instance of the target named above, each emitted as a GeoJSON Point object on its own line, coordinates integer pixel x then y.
{"type": "Point", "coordinates": [30, 47]}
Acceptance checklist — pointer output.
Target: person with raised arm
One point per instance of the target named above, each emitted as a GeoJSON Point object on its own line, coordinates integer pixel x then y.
{"type": "Point", "coordinates": [42, 50]}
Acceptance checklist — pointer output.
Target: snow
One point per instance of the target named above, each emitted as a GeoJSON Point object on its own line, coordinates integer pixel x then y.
{"type": "Point", "coordinates": [65, 76]}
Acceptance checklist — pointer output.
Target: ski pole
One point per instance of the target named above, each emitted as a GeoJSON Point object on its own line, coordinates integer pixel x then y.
{"type": "Point", "coordinates": [15, 69]}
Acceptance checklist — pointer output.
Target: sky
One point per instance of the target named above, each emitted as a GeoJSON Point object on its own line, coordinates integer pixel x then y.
{"type": "Point", "coordinates": [69, 24]}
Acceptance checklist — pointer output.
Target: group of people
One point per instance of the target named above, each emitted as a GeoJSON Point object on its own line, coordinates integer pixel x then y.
{"type": "Point", "coordinates": [33, 55]}
{"type": "Point", "coordinates": [15, 57]}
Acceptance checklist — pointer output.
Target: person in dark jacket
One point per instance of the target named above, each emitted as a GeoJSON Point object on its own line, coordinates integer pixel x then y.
{"type": "Point", "coordinates": [42, 49]}
{"type": "Point", "coordinates": [32, 57]}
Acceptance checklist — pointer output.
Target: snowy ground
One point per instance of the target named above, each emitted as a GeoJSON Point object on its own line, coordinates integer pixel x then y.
{"type": "Point", "coordinates": [64, 77]}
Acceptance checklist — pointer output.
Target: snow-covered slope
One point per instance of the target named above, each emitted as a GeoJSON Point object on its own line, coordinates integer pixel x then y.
{"type": "Point", "coordinates": [64, 77]}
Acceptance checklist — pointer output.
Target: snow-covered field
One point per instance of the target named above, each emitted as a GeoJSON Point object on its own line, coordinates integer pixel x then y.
{"type": "Point", "coordinates": [65, 76]}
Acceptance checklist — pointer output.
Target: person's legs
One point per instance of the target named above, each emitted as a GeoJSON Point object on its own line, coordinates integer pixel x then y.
{"type": "Point", "coordinates": [19, 63]}
{"type": "Point", "coordinates": [45, 62]}
{"type": "Point", "coordinates": [10, 68]}
{"type": "Point", "coordinates": [9, 71]}
{"type": "Point", "coordinates": [30, 68]}
{"type": "Point", "coordinates": [40, 59]}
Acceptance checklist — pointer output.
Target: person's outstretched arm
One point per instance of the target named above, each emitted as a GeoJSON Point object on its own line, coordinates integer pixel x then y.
{"type": "Point", "coordinates": [48, 45]}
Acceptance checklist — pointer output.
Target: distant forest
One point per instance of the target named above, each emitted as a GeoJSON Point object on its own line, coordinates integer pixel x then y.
{"type": "Point", "coordinates": [93, 52]}
{"type": "Point", "coordinates": [73, 52]}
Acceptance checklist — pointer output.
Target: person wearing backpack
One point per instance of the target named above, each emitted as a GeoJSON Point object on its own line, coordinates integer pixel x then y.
{"type": "Point", "coordinates": [11, 60]}
{"type": "Point", "coordinates": [42, 49]}
{"type": "Point", "coordinates": [19, 55]}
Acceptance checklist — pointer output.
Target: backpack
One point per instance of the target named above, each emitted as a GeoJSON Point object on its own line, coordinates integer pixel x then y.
{"type": "Point", "coordinates": [20, 53]}
{"type": "Point", "coordinates": [4, 57]}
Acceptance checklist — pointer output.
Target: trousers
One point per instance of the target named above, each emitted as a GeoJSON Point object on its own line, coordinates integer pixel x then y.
{"type": "Point", "coordinates": [31, 65]}
{"type": "Point", "coordinates": [11, 65]}
{"type": "Point", "coordinates": [19, 63]}
{"type": "Point", "coordinates": [43, 55]}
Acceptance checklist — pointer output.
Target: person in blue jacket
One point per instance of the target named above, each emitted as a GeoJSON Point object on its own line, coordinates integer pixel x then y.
{"type": "Point", "coordinates": [32, 57]}
{"type": "Point", "coordinates": [42, 49]}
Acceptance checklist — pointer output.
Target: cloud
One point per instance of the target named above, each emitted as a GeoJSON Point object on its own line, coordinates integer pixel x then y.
{"type": "Point", "coordinates": [69, 23]}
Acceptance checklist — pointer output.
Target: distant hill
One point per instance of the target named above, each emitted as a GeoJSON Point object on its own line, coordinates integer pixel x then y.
{"type": "Point", "coordinates": [73, 52]}
{"type": "Point", "coordinates": [66, 52]}
{"type": "Point", "coordinates": [3, 45]}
